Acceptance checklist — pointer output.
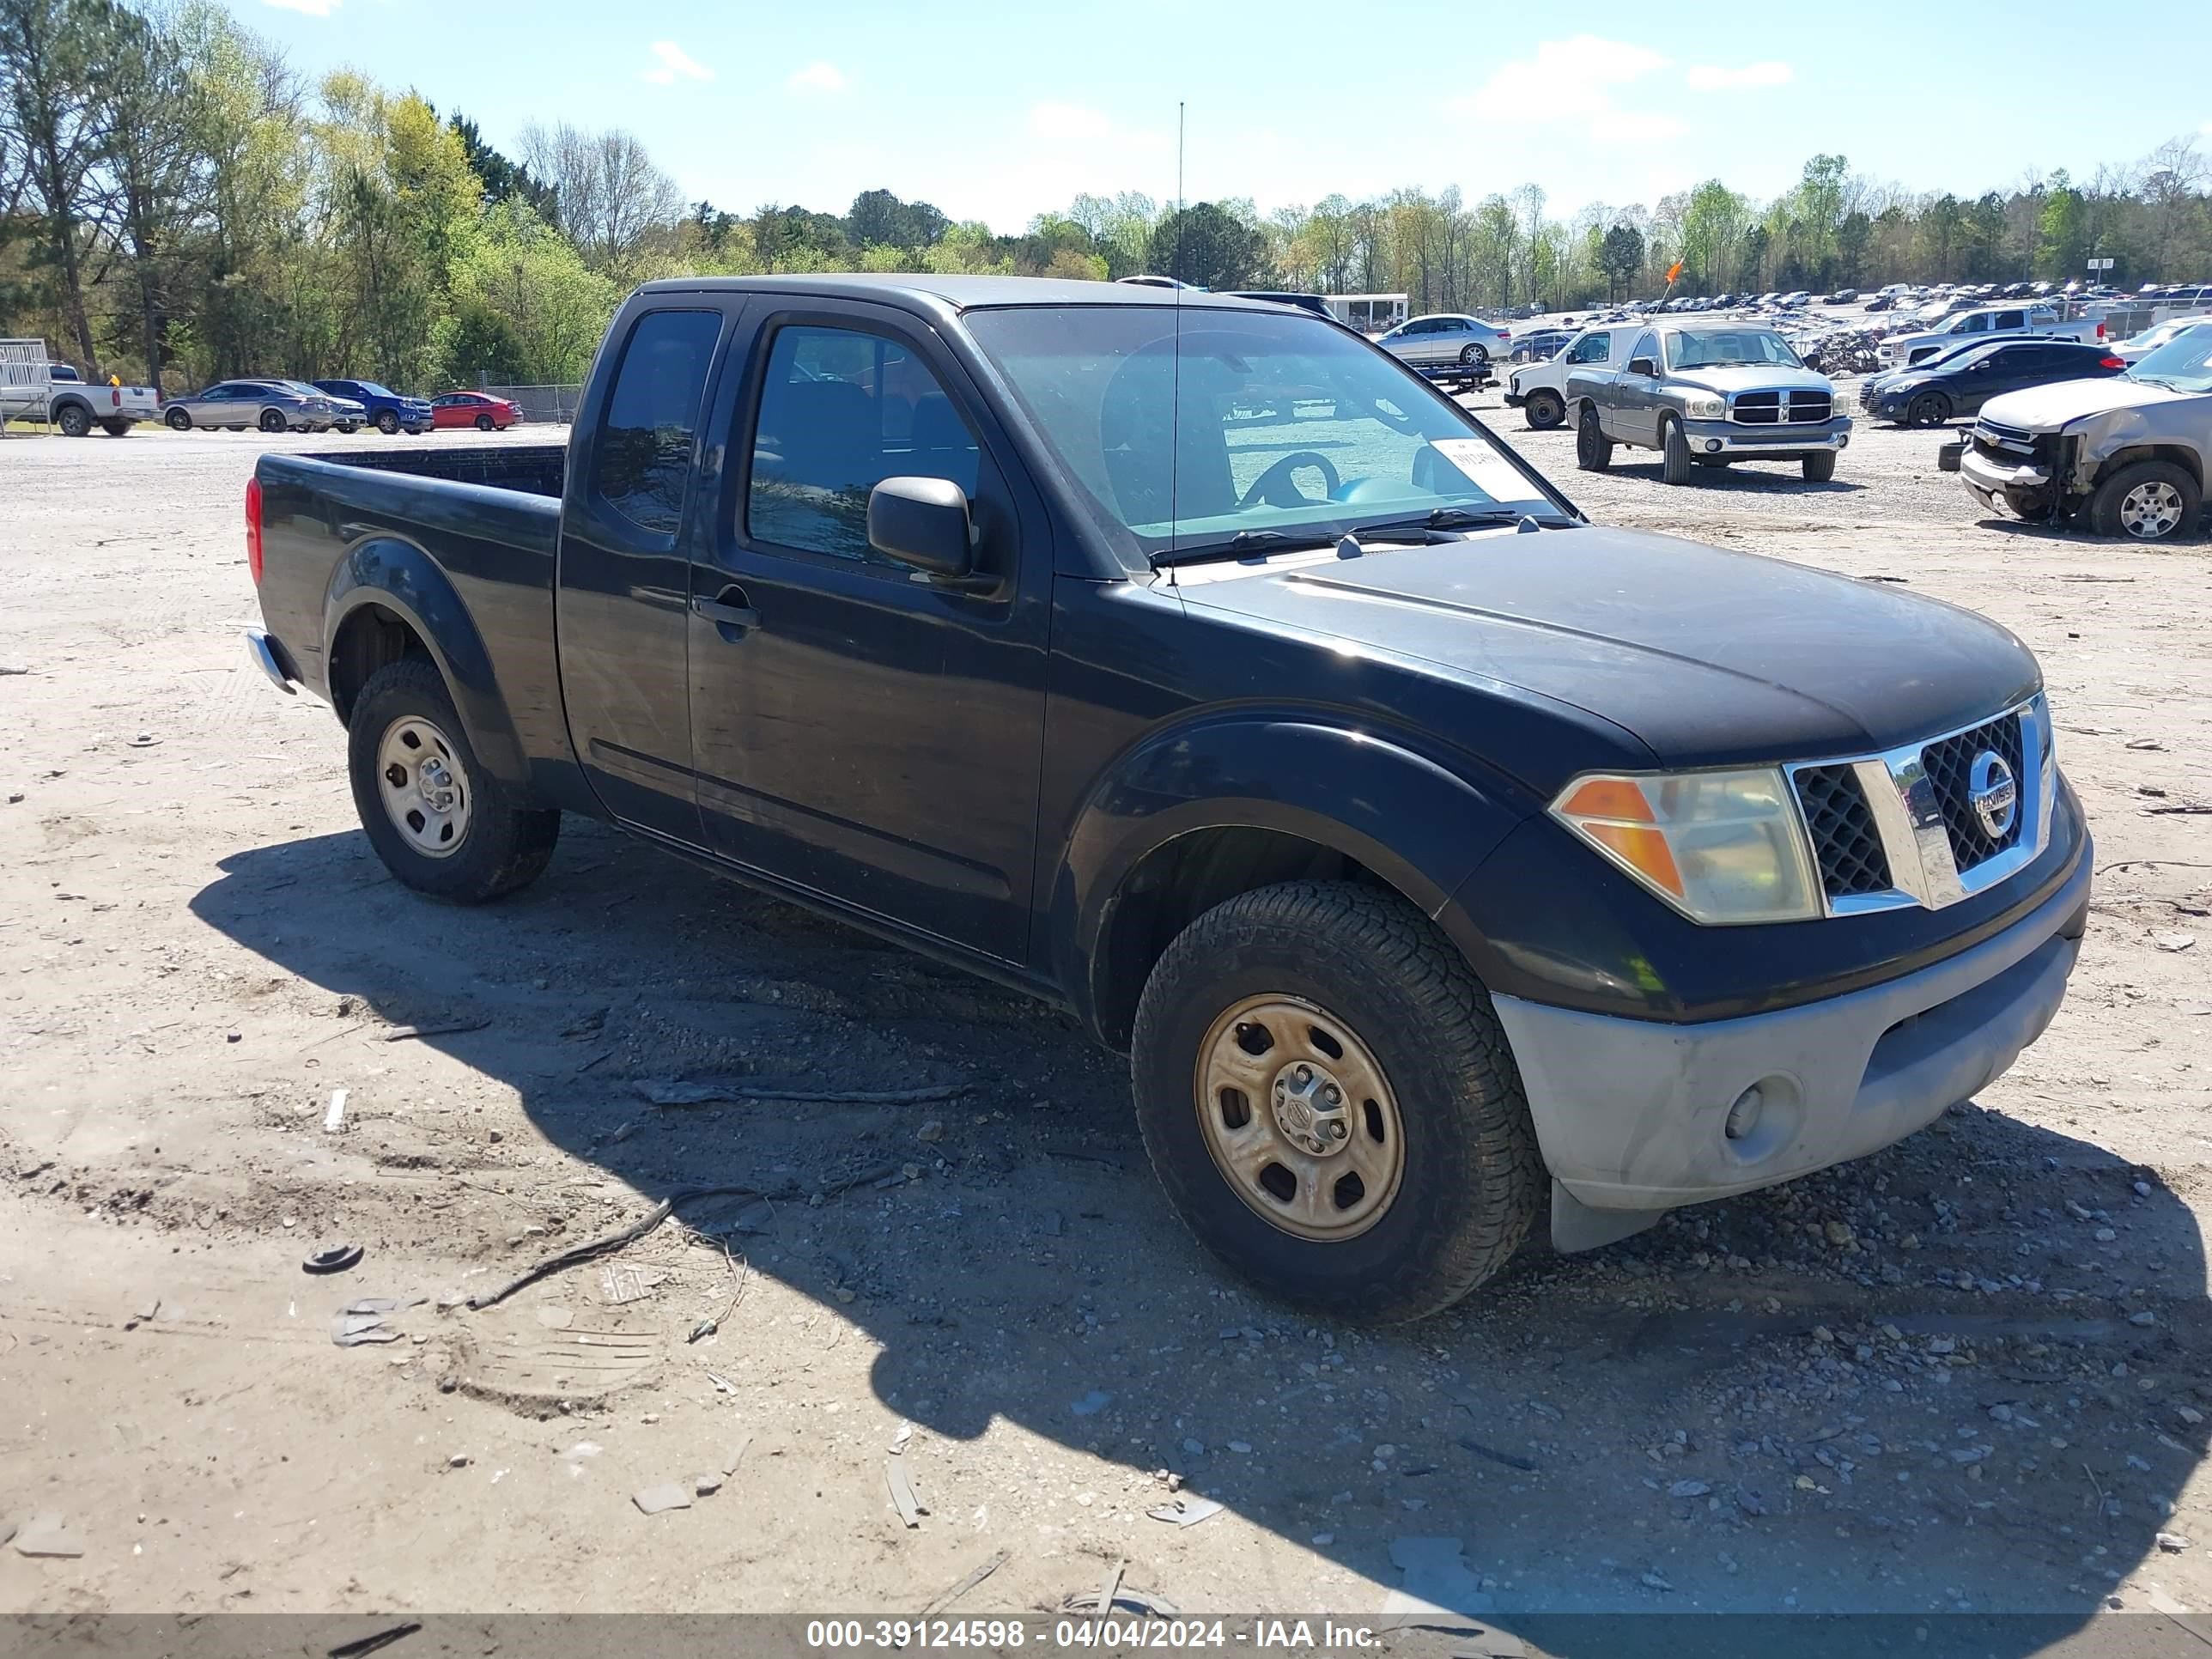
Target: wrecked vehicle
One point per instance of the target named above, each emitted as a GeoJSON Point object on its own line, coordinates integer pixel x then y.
{"type": "Point", "coordinates": [2125, 456]}
{"type": "Point", "coordinates": [1440, 858]}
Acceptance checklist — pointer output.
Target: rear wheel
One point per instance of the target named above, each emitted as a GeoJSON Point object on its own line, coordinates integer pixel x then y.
{"type": "Point", "coordinates": [272, 420]}
{"type": "Point", "coordinates": [179, 420]}
{"type": "Point", "coordinates": [1473, 356]}
{"type": "Point", "coordinates": [1929, 408]}
{"type": "Point", "coordinates": [484, 422]}
{"type": "Point", "coordinates": [1820, 466]}
{"type": "Point", "coordinates": [1673, 451]}
{"type": "Point", "coordinates": [387, 423]}
{"type": "Point", "coordinates": [2149, 502]}
{"type": "Point", "coordinates": [440, 821]}
{"type": "Point", "coordinates": [75, 420]}
{"type": "Point", "coordinates": [1592, 449]}
{"type": "Point", "coordinates": [348, 426]}
{"type": "Point", "coordinates": [1543, 410]}
{"type": "Point", "coordinates": [1327, 1095]}
{"type": "Point", "coordinates": [116, 428]}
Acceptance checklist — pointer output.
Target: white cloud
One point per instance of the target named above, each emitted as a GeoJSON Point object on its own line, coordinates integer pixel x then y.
{"type": "Point", "coordinates": [1569, 82]}
{"type": "Point", "coordinates": [313, 7]}
{"type": "Point", "coordinates": [1710, 78]}
{"type": "Point", "coordinates": [819, 76]}
{"type": "Point", "coordinates": [675, 64]}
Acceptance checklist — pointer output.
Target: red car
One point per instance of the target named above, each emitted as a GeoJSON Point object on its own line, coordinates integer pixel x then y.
{"type": "Point", "coordinates": [477, 409]}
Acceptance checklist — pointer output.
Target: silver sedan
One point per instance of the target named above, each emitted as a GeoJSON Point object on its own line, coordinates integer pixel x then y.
{"type": "Point", "coordinates": [267, 405]}
{"type": "Point", "coordinates": [1447, 337]}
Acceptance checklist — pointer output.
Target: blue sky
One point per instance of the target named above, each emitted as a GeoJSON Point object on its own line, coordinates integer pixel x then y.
{"type": "Point", "coordinates": [997, 112]}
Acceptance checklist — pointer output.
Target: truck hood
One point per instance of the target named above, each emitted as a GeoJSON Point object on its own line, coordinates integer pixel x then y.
{"type": "Point", "coordinates": [2047, 408]}
{"type": "Point", "coordinates": [1708, 657]}
{"type": "Point", "coordinates": [1750, 377]}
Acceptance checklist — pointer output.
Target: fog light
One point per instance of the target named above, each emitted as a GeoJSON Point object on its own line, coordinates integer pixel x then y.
{"type": "Point", "coordinates": [1842, 440]}
{"type": "Point", "coordinates": [1743, 1116]}
{"type": "Point", "coordinates": [1713, 446]}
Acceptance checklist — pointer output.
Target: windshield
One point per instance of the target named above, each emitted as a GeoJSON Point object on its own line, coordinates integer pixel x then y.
{"type": "Point", "coordinates": [1184, 429]}
{"type": "Point", "coordinates": [2182, 364]}
{"type": "Point", "coordinates": [375, 389]}
{"type": "Point", "coordinates": [1717, 347]}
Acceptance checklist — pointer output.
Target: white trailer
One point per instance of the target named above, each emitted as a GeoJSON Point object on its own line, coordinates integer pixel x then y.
{"type": "Point", "coordinates": [1370, 313]}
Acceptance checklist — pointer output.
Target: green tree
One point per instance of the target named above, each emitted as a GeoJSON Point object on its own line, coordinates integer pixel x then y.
{"type": "Point", "coordinates": [51, 53]}
{"type": "Point", "coordinates": [1620, 256]}
{"type": "Point", "coordinates": [1208, 247]}
{"type": "Point", "coordinates": [2062, 243]}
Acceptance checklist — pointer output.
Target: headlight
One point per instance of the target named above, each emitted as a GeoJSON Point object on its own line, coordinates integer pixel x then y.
{"type": "Point", "coordinates": [1723, 848]}
{"type": "Point", "coordinates": [1704, 406]}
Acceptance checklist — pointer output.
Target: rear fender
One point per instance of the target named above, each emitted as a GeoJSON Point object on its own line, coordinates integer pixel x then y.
{"type": "Point", "coordinates": [404, 579]}
{"type": "Point", "coordinates": [1404, 816]}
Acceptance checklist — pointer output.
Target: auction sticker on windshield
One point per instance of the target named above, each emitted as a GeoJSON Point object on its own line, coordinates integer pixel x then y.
{"type": "Point", "coordinates": [1481, 464]}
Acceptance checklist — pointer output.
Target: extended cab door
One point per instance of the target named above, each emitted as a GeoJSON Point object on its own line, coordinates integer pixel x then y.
{"type": "Point", "coordinates": [1629, 408]}
{"type": "Point", "coordinates": [624, 579]}
{"type": "Point", "coordinates": [867, 736]}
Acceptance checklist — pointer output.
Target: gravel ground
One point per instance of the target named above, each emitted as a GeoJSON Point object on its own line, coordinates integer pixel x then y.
{"type": "Point", "coordinates": [1970, 1373]}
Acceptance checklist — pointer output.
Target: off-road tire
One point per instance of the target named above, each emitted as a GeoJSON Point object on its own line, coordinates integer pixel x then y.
{"type": "Point", "coordinates": [1673, 451]}
{"type": "Point", "coordinates": [506, 845]}
{"type": "Point", "coordinates": [75, 421]}
{"type": "Point", "coordinates": [1543, 410]}
{"type": "Point", "coordinates": [1818, 467]}
{"type": "Point", "coordinates": [2106, 516]}
{"type": "Point", "coordinates": [1592, 449]}
{"type": "Point", "coordinates": [1473, 1181]}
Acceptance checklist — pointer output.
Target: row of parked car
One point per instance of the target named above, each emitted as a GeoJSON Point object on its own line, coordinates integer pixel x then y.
{"type": "Point", "coordinates": [276, 405]}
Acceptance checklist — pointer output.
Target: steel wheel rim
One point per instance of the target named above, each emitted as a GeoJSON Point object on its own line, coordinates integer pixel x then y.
{"type": "Point", "coordinates": [2151, 509]}
{"type": "Point", "coordinates": [1299, 1118]}
{"type": "Point", "coordinates": [424, 786]}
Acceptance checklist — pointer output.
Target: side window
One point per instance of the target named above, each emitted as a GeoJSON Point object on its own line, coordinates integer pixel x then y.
{"type": "Point", "coordinates": [1590, 348]}
{"type": "Point", "coordinates": [2011, 320]}
{"type": "Point", "coordinates": [1647, 345]}
{"type": "Point", "coordinates": [1976, 322]}
{"type": "Point", "coordinates": [644, 456]}
{"type": "Point", "coordinates": [841, 411]}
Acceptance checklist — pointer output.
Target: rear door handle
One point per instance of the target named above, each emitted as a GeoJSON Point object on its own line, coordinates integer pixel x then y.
{"type": "Point", "coordinates": [727, 610]}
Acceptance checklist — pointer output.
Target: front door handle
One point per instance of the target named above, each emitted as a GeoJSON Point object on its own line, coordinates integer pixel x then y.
{"type": "Point", "coordinates": [728, 611]}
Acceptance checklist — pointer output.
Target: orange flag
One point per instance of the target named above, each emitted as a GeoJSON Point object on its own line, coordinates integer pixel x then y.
{"type": "Point", "coordinates": [1674, 270]}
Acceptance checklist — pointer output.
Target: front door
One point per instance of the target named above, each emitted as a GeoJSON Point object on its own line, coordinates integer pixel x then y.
{"type": "Point", "coordinates": [624, 580]}
{"type": "Point", "coordinates": [1634, 396]}
{"type": "Point", "coordinates": [866, 736]}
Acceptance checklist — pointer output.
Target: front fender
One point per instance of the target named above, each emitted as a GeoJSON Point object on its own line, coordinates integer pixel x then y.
{"type": "Point", "coordinates": [399, 576]}
{"type": "Point", "coordinates": [1419, 824]}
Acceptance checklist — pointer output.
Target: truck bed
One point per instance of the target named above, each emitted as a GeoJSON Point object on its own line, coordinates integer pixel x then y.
{"type": "Point", "coordinates": [537, 469]}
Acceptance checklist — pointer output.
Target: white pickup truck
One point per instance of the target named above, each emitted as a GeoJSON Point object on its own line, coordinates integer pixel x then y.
{"type": "Point", "coordinates": [33, 388]}
{"type": "Point", "coordinates": [1988, 323]}
{"type": "Point", "coordinates": [1539, 390]}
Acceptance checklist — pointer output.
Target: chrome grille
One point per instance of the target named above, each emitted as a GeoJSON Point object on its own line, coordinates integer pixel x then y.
{"type": "Point", "coordinates": [1846, 841]}
{"type": "Point", "coordinates": [1949, 764]}
{"type": "Point", "coordinates": [1775, 408]}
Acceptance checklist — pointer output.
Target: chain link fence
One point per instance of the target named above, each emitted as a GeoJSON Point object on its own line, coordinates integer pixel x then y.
{"type": "Point", "coordinates": [539, 402]}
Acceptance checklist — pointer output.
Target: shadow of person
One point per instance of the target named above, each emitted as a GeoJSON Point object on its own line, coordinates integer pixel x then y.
{"type": "Point", "coordinates": [1966, 1377]}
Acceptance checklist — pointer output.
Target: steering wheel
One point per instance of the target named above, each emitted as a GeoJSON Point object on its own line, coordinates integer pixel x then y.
{"type": "Point", "coordinates": [1273, 485]}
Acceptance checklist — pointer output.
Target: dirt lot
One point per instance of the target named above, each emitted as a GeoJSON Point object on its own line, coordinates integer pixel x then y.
{"type": "Point", "coordinates": [1971, 1373]}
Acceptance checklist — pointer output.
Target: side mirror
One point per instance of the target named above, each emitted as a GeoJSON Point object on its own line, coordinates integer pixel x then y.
{"type": "Point", "coordinates": [923, 523]}
{"type": "Point", "coordinates": [1644, 366]}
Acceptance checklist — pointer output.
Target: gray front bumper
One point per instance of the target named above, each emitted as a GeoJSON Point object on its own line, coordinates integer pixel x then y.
{"type": "Point", "coordinates": [1749, 440]}
{"type": "Point", "coordinates": [1630, 1114]}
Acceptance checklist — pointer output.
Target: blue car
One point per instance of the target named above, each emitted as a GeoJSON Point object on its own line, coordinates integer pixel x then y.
{"type": "Point", "coordinates": [388, 412]}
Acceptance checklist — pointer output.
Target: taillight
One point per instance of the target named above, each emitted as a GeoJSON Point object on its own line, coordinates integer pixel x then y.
{"type": "Point", "coordinates": [2100, 331]}
{"type": "Point", "coordinates": [254, 529]}
{"type": "Point", "coordinates": [2112, 362]}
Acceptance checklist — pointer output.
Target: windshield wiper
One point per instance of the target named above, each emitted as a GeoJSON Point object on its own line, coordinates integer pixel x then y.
{"type": "Point", "coordinates": [1464, 518]}
{"type": "Point", "coordinates": [1245, 544]}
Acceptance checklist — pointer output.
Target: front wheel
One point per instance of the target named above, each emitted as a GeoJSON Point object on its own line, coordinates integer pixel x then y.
{"type": "Point", "coordinates": [1328, 1097]}
{"type": "Point", "coordinates": [1820, 466]}
{"type": "Point", "coordinates": [439, 821]}
{"type": "Point", "coordinates": [179, 420]}
{"type": "Point", "coordinates": [1543, 411]}
{"type": "Point", "coordinates": [387, 423]}
{"type": "Point", "coordinates": [1929, 408]}
{"type": "Point", "coordinates": [2149, 502]}
{"type": "Point", "coordinates": [1673, 452]}
{"type": "Point", "coordinates": [1592, 449]}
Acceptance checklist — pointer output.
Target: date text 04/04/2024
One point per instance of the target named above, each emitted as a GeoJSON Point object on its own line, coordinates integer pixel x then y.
{"type": "Point", "coordinates": [1268, 1635]}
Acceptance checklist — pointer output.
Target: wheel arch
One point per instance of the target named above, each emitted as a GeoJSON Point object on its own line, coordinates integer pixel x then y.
{"type": "Point", "coordinates": [387, 600]}
{"type": "Point", "coordinates": [2180, 455]}
{"type": "Point", "coordinates": [1285, 799]}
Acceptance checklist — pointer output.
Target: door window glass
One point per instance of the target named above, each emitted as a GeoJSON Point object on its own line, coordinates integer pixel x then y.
{"type": "Point", "coordinates": [1590, 348]}
{"type": "Point", "coordinates": [644, 455]}
{"type": "Point", "coordinates": [840, 412]}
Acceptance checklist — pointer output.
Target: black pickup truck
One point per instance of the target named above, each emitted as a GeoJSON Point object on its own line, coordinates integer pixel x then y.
{"type": "Point", "coordinates": [1192, 663]}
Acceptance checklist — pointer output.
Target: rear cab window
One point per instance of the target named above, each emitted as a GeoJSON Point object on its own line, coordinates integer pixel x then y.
{"type": "Point", "coordinates": [641, 464]}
